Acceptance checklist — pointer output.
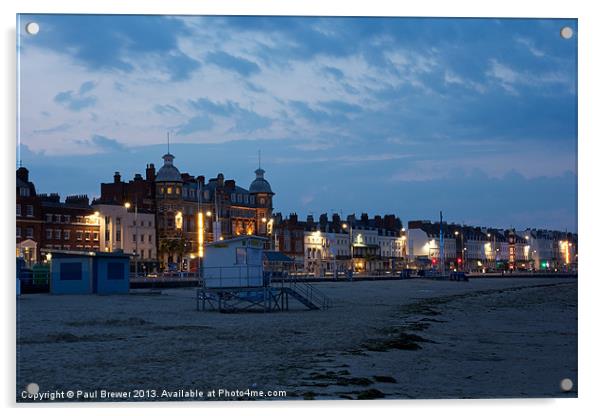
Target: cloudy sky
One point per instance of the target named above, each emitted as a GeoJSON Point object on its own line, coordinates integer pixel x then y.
{"type": "Point", "coordinates": [475, 117]}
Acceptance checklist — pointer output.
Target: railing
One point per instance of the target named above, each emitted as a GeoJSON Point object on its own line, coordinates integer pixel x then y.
{"type": "Point", "coordinates": [315, 296]}
{"type": "Point", "coordinates": [234, 276]}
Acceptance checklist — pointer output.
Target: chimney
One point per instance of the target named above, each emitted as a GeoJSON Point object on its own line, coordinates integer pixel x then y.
{"type": "Point", "coordinates": [323, 221]}
{"type": "Point", "coordinates": [378, 221]}
{"type": "Point", "coordinates": [137, 177]}
{"type": "Point", "coordinates": [310, 220]}
{"type": "Point", "coordinates": [150, 172]}
{"type": "Point", "coordinates": [365, 221]}
{"type": "Point", "coordinates": [230, 184]}
{"type": "Point", "coordinates": [79, 200]}
{"type": "Point", "coordinates": [23, 174]}
{"type": "Point", "coordinates": [201, 179]}
{"type": "Point", "coordinates": [220, 179]}
{"type": "Point", "coordinates": [293, 218]}
{"type": "Point", "coordinates": [351, 219]}
{"type": "Point", "coordinates": [117, 177]}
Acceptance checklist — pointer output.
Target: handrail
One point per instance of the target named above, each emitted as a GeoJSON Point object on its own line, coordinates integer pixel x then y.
{"type": "Point", "coordinates": [313, 294]}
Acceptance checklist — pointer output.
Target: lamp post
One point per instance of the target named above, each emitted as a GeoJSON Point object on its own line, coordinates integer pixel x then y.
{"type": "Point", "coordinates": [127, 206]}
{"type": "Point", "coordinates": [345, 226]}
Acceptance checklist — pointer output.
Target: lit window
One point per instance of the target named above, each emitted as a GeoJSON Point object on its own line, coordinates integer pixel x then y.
{"type": "Point", "coordinates": [169, 190]}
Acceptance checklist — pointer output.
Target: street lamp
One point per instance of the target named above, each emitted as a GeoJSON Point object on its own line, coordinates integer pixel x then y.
{"type": "Point", "coordinates": [345, 226]}
{"type": "Point", "coordinates": [128, 206]}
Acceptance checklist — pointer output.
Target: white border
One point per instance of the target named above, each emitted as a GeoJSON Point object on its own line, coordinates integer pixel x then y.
{"type": "Point", "coordinates": [590, 36]}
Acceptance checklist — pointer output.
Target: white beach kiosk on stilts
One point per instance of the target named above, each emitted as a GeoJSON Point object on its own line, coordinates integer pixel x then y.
{"type": "Point", "coordinates": [233, 279]}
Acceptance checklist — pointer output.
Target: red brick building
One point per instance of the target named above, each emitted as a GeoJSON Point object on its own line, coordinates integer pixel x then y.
{"type": "Point", "coordinates": [29, 219]}
{"type": "Point", "coordinates": [69, 225]}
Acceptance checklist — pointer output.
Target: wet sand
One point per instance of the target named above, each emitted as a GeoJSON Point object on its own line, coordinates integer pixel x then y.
{"type": "Point", "coordinates": [382, 339]}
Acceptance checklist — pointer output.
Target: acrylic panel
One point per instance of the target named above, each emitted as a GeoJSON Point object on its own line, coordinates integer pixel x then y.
{"type": "Point", "coordinates": [295, 208]}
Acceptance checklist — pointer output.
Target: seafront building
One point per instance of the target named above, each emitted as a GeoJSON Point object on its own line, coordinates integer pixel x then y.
{"type": "Point", "coordinates": [163, 219]}
{"type": "Point", "coordinates": [471, 248]}
{"type": "Point", "coordinates": [328, 247]}
{"type": "Point", "coordinates": [186, 207]}
{"type": "Point", "coordinates": [124, 228]}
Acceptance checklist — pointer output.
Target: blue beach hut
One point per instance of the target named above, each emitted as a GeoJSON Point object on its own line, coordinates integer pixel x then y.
{"type": "Point", "coordinates": [83, 272]}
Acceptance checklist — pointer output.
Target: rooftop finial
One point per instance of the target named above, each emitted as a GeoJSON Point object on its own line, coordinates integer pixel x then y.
{"type": "Point", "coordinates": [259, 157]}
{"type": "Point", "coordinates": [167, 142]}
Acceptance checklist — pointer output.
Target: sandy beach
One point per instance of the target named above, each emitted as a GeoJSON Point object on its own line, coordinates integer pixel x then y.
{"type": "Point", "coordinates": [381, 340]}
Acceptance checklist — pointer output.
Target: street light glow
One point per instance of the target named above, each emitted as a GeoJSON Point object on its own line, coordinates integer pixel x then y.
{"type": "Point", "coordinates": [200, 236]}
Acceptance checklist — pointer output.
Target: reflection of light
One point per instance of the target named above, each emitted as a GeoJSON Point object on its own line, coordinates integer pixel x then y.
{"type": "Point", "coordinates": [200, 230]}
{"type": "Point", "coordinates": [264, 220]}
{"type": "Point", "coordinates": [127, 205]}
{"type": "Point", "coordinates": [208, 213]}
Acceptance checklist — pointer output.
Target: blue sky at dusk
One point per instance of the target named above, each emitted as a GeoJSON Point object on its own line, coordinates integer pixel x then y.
{"type": "Point", "coordinates": [475, 117]}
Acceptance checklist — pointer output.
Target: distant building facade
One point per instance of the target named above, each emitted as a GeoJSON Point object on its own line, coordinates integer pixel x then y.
{"type": "Point", "coordinates": [28, 219]}
{"type": "Point", "coordinates": [334, 246]}
{"type": "Point", "coordinates": [470, 248]}
{"type": "Point", "coordinates": [130, 230]}
{"type": "Point", "coordinates": [71, 224]}
{"type": "Point", "coordinates": [177, 199]}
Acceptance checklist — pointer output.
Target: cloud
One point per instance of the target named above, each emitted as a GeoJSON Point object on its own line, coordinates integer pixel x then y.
{"type": "Point", "coordinates": [334, 72]}
{"type": "Point", "coordinates": [56, 129]}
{"type": "Point", "coordinates": [229, 62]}
{"type": "Point", "coordinates": [166, 109]}
{"type": "Point", "coordinates": [195, 124]}
{"type": "Point", "coordinates": [77, 101]}
{"type": "Point", "coordinates": [117, 42]}
{"type": "Point", "coordinates": [180, 66]}
{"type": "Point", "coordinates": [245, 121]}
{"type": "Point", "coordinates": [528, 43]}
{"type": "Point", "coordinates": [102, 144]}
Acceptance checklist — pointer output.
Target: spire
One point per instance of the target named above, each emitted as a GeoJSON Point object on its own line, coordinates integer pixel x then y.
{"type": "Point", "coordinates": [259, 157]}
{"type": "Point", "coordinates": [167, 142]}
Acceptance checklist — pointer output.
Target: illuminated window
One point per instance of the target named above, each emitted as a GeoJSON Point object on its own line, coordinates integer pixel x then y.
{"type": "Point", "coordinates": [169, 190]}
{"type": "Point", "coordinates": [179, 221]}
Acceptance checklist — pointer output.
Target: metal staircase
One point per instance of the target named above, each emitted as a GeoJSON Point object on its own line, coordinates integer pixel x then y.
{"type": "Point", "coordinates": [307, 294]}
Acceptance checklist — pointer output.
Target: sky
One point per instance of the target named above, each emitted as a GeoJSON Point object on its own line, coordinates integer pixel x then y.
{"type": "Point", "coordinates": [475, 117]}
